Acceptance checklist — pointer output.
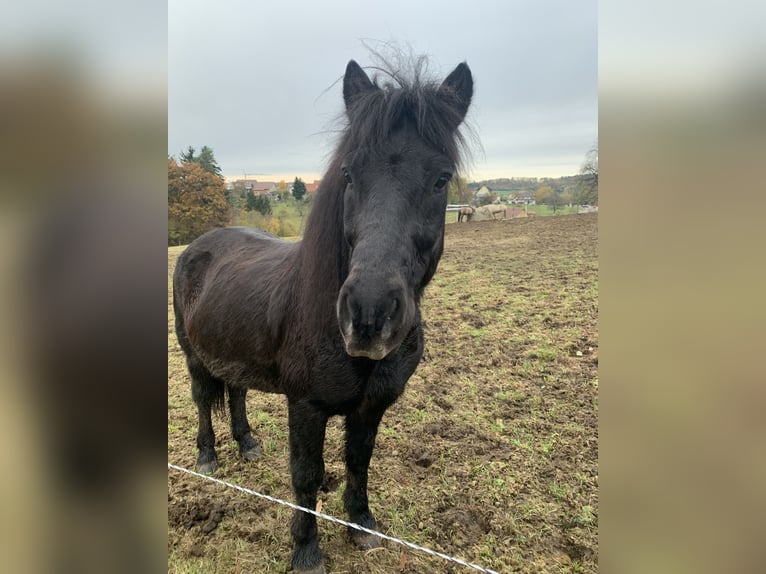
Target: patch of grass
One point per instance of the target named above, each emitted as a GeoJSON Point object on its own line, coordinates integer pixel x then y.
{"type": "Point", "coordinates": [388, 432]}
{"type": "Point", "coordinates": [498, 425]}
{"type": "Point", "coordinates": [420, 415]}
{"type": "Point", "coordinates": [495, 475]}
{"type": "Point", "coordinates": [586, 517]}
{"type": "Point", "coordinates": [582, 479]}
{"type": "Point", "coordinates": [269, 446]}
{"type": "Point", "coordinates": [519, 443]}
{"type": "Point", "coordinates": [181, 565]}
{"type": "Point", "coordinates": [267, 423]}
{"type": "Point", "coordinates": [513, 396]}
{"type": "Point", "coordinates": [543, 353]}
{"type": "Point", "coordinates": [404, 523]}
{"type": "Point", "coordinates": [559, 491]}
{"type": "Point", "coordinates": [547, 445]}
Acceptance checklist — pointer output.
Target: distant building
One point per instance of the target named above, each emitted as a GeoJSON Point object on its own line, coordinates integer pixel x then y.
{"type": "Point", "coordinates": [257, 187]}
{"type": "Point", "coordinates": [522, 198]}
{"type": "Point", "coordinates": [270, 188]}
{"type": "Point", "coordinates": [483, 192]}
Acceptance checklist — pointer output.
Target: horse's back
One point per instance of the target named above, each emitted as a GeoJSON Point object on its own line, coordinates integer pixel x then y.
{"type": "Point", "coordinates": [223, 289]}
{"type": "Point", "coordinates": [224, 251]}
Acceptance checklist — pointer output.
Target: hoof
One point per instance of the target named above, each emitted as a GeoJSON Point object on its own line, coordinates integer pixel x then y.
{"type": "Point", "coordinates": [365, 541]}
{"type": "Point", "coordinates": [207, 467]}
{"type": "Point", "coordinates": [319, 569]}
{"type": "Point", "coordinates": [252, 453]}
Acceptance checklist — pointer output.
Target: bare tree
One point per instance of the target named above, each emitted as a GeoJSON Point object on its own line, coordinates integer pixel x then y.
{"type": "Point", "coordinates": [457, 190]}
{"type": "Point", "coordinates": [588, 192]}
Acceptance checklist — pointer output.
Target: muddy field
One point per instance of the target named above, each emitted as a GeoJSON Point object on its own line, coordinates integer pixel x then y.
{"type": "Point", "coordinates": [491, 454]}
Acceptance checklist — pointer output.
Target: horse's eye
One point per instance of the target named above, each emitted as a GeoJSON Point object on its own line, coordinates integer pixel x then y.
{"type": "Point", "coordinates": [442, 181]}
{"type": "Point", "coordinates": [346, 176]}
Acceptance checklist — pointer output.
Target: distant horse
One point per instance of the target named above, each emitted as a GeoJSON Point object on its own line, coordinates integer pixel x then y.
{"type": "Point", "coordinates": [333, 322]}
{"type": "Point", "coordinates": [465, 212]}
{"type": "Point", "coordinates": [496, 210]}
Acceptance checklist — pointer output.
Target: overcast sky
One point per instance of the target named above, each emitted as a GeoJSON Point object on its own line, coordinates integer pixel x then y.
{"type": "Point", "coordinates": [257, 81]}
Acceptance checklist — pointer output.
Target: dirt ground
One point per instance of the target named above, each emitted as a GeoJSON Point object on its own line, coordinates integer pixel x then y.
{"type": "Point", "coordinates": [490, 455]}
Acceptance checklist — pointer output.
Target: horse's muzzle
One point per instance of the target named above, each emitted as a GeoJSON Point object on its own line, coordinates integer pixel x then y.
{"type": "Point", "coordinates": [372, 318]}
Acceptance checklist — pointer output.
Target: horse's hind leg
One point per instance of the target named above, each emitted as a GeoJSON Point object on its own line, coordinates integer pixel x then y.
{"type": "Point", "coordinates": [240, 428]}
{"type": "Point", "coordinates": [207, 392]}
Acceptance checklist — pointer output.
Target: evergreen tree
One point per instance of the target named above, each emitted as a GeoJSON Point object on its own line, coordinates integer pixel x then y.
{"type": "Point", "coordinates": [206, 160]}
{"type": "Point", "coordinates": [299, 189]}
{"type": "Point", "coordinates": [249, 200]}
{"type": "Point", "coordinates": [259, 203]}
{"type": "Point", "coordinates": [188, 155]}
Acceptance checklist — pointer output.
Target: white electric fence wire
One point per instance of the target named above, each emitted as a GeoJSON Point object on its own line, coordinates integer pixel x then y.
{"type": "Point", "coordinates": [333, 519]}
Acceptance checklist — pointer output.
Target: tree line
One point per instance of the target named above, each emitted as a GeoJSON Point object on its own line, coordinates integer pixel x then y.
{"type": "Point", "coordinates": [579, 189]}
{"type": "Point", "coordinates": [198, 199]}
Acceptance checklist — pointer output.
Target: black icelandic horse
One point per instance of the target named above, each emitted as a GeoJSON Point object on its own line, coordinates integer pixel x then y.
{"type": "Point", "coordinates": [333, 322]}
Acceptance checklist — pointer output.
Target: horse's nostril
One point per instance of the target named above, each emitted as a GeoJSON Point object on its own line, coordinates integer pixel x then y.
{"type": "Point", "coordinates": [393, 309]}
{"type": "Point", "coordinates": [346, 313]}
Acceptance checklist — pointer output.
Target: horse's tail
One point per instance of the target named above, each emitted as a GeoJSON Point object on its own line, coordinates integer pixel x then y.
{"type": "Point", "coordinates": [206, 388]}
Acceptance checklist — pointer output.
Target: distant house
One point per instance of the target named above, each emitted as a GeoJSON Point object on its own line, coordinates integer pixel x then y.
{"type": "Point", "coordinates": [262, 187]}
{"type": "Point", "coordinates": [522, 198]}
{"type": "Point", "coordinates": [257, 187]}
{"type": "Point", "coordinates": [270, 188]}
{"type": "Point", "coordinates": [483, 192]}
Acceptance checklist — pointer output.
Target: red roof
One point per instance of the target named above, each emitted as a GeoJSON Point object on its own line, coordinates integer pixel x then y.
{"type": "Point", "coordinates": [257, 186]}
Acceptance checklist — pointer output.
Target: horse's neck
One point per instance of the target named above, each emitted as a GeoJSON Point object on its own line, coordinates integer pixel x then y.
{"type": "Point", "coordinates": [323, 257]}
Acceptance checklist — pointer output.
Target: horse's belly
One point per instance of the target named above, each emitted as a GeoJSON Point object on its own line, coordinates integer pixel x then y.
{"type": "Point", "coordinates": [243, 374]}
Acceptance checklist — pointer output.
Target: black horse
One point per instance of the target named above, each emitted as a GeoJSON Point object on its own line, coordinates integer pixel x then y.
{"type": "Point", "coordinates": [333, 322]}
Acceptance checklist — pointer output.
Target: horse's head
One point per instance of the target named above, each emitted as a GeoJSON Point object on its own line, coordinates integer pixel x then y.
{"type": "Point", "coordinates": [397, 156]}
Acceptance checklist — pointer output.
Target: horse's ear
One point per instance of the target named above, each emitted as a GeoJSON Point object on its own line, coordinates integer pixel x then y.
{"type": "Point", "coordinates": [355, 83]}
{"type": "Point", "coordinates": [458, 87]}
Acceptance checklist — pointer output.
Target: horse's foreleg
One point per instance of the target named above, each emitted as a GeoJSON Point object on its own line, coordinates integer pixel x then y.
{"type": "Point", "coordinates": [361, 430]}
{"type": "Point", "coordinates": [307, 431]}
{"type": "Point", "coordinates": [240, 428]}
